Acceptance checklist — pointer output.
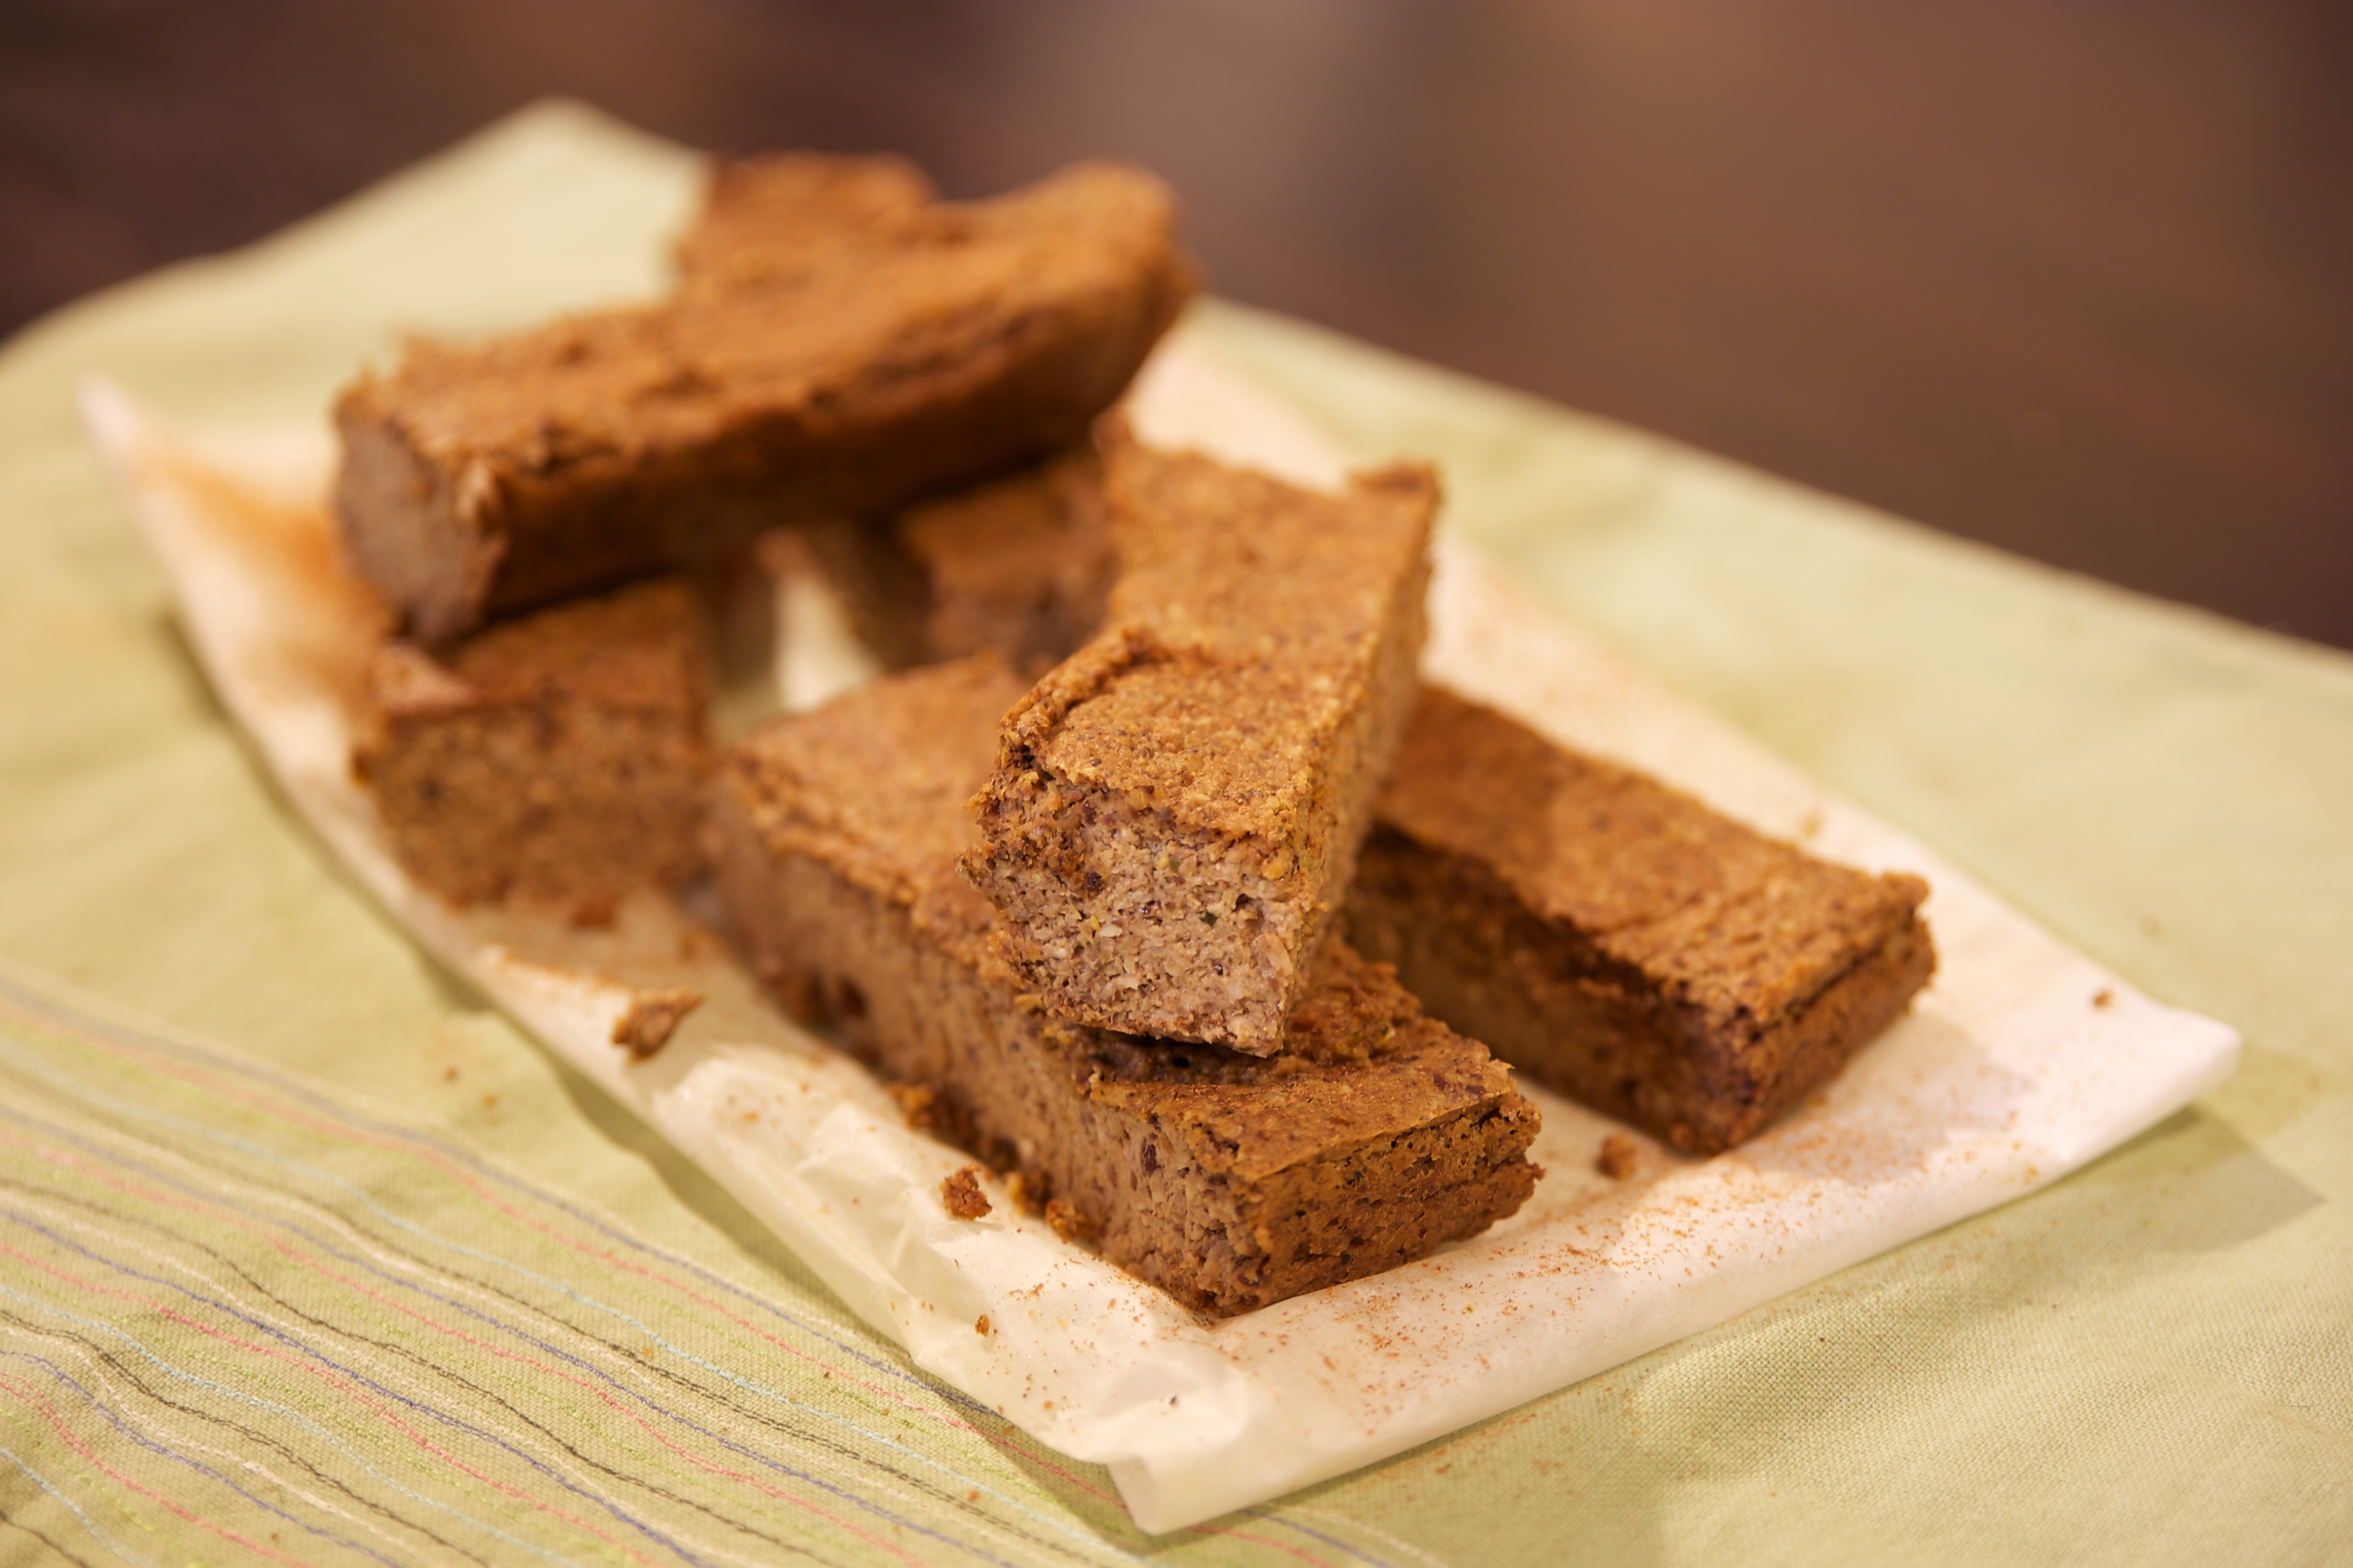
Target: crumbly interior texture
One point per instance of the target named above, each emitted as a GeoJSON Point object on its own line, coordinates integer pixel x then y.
{"type": "Point", "coordinates": [562, 757]}
{"type": "Point", "coordinates": [1176, 810]}
{"type": "Point", "coordinates": [890, 351]}
{"type": "Point", "coordinates": [1228, 1180]}
{"type": "Point", "coordinates": [1020, 568]}
{"type": "Point", "coordinates": [1619, 939]}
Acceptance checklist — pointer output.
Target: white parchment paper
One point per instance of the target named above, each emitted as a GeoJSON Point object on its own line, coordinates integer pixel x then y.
{"type": "Point", "coordinates": [2021, 1062]}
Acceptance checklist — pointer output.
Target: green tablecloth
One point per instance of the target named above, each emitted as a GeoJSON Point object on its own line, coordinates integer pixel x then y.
{"type": "Point", "coordinates": [303, 1253]}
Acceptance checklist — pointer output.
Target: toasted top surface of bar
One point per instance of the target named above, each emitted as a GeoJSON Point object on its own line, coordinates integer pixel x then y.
{"type": "Point", "coordinates": [640, 647]}
{"type": "Point", "coordinates": [898, 293]}
{"type": "Point", "coordinates": [1733, 921]}
{"type": "Point", "coordinates": [1240, 636]}
{"type": "Point", "coordinates": [763, 218]}
{"type": "Point", "coordinates": [874, 786]}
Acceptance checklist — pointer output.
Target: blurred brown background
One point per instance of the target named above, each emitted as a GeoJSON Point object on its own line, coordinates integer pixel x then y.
{"type": "Point", "coordinates": [2074, 278]}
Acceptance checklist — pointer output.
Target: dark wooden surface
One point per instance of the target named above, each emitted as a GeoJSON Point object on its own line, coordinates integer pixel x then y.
{"type": "Point", "coordinates": [2073, 277]}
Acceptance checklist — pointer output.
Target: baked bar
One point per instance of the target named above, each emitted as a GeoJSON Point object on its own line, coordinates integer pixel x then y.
{"type": "Point", "coordinates": [1619, 941]}
{"type": "Point", "coordinates": [1176, 810]}
{"type": "Point", "coordinates": [919, 351]}
{"type": "Point", "coordinates": [1021, 568]}
{"type": "Point", "coordinates": [562, 757]}
{"type": "Point", "coordinates": [1228, 1181]}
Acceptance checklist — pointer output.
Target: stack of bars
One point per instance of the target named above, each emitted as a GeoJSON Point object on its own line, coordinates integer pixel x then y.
{"type": "Point", "coordinates": [1151, 874]}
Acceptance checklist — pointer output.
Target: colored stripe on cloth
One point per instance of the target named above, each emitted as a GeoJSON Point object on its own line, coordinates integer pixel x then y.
{"type": "Point", "coordinates": [244, 1317]}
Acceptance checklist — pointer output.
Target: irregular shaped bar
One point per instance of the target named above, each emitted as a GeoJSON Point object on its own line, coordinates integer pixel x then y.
{"type": "Point", "coordinates": [913, 351]}
{"type": "Point", "coordinates": [1619, 939]}
{"type": "Point", "coordinates": [1177, 809]}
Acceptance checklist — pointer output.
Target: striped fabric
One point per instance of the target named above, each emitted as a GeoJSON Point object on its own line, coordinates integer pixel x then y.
{"type": "Point", "coordinates": [246, 1318]}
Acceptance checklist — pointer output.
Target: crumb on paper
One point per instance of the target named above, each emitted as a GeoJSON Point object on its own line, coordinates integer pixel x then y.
{"type": "Point", "coordinates": [1618, 1156]}
{"type": "Point", "coordinates": [962, 1194]}
{"type": "Point", "coordinates": [980, 1327]}
{"type": "Point", "coordinates": [2104, 997]}
{"type": "Point", "coordinates": [653, 1016]}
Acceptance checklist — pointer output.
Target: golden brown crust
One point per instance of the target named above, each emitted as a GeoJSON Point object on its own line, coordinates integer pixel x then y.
{"type": "Point", "coordinates": [1278, 600]}
{"type": "Point", "coordinates": [875, 788]}
{"type": "Point", "coordinates": [917, 350]}
{"type": "Point", "coordinates": [1619, 939]}
{"type": "Point", "coordinates": [1733, 923]}
{"type": "Point", "coordinates": [1232, 1181]}
{"type": "Point", "coordinates": [1177, 806]}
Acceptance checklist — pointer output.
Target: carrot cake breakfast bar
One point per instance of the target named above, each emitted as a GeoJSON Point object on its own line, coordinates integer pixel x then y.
{"type": "Point", "coordinates": [1232, 1181]}
{"type": "Point", "coordinates": [1175, 809]}
{"type": "Point", "coordinates": [561, 758]}
{"type": "Point", "coordinates": [1619, 939]}
{"type": "Point", "coordinates": [922, 350]}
